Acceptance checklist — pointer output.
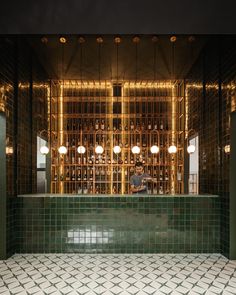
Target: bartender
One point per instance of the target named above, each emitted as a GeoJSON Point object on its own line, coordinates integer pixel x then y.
{"type": "Point", "coordinates": [138, 181]}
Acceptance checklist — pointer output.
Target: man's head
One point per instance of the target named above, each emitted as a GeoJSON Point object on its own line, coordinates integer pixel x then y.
{"type": "Point", "coordinates": [139, 168]}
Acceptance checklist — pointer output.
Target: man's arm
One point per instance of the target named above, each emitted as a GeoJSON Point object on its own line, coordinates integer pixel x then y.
{"type": "Point", "coordinates": [137, 188]}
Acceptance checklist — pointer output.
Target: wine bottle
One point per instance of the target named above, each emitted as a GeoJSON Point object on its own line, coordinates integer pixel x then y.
{"type": "Point", "coordinates": [73, 175]}
{"type": "Point", "coordinates": [85, 174]}
{"type": "Point", "coordinates": [67, 175]}
{"type": "Point", "coordinates": [149, 125]}
{"type": "Point", "coordinates": [79, 174]}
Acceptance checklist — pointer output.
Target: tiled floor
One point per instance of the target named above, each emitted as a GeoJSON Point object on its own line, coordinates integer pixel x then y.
{"type": "Point", "coordinates": [117, 274]}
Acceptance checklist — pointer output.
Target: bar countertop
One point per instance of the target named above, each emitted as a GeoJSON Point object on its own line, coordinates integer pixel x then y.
{"type": "Point", "coordinates": [117, 195]}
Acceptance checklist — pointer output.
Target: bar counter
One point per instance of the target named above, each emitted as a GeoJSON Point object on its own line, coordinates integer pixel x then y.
{"type": "Point", "coordinates": [63, 223]}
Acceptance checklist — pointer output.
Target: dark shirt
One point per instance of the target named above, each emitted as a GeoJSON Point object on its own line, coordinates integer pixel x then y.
{"type": "Point", "coordinates": [136, 180]}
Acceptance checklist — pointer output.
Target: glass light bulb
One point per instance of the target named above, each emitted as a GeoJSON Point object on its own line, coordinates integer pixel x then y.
{"type": "Point", "coordinates": [227, 149]}
{"type": "Point", "coordinates": [62, 150]}
{"type": "Point", "coordinates": [135, 149]}
{"type": "Point", "coordinates": [154, 149]}
{"type": "Point", "coordinates": [81, 149]}
{"type": "Point", "coordinates": [172, 149]}
{"type": "Point", "coordinates": [117, 149]}
{"type": "Point", "coordinates": [191, 149]}
{"type": "Point", "coordinates": [44, 150]}
{"type": "Point", "coordinates": [99, 149]}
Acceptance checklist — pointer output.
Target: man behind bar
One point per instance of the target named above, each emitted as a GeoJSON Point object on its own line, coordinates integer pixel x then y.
{"type": "Point", "coordinates": [139, 180]}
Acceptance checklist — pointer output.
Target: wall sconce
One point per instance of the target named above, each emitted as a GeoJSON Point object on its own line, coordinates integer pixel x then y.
{"type": "Point", "coordinates": [227, 149]}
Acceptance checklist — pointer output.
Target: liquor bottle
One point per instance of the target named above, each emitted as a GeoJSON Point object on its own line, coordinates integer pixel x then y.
{"type": "Point", "coordinates": [85, 175]}
{"type": "Point", "coordinates": [55, 177]}
{"type": "Point", "coordinates": [161, 174]}
{"type": "Point", "coordinates": [144, 144]}
{"type": "Point", "coordinates": [126, 172]}
{"type": "Point", "coordinates": [96, 189]}
{"type": "Point", "coordinates": [67, 175]}
{"type": "Point", "coordinates": [96, 124]}
{"type": "Point", "coordinates": [90, 161]}
{"type": "Point", "coordinates": [108, 127]}
{"type": "Point", "coordinates": [131, 125]}
{"type": "Point", "coordinates": [108, 160]}
{"type": "Point", "coordinates": [126, 160]}
{"type": "Point", "coordinates": [155, 125]}
{"type": "Point", "coordinates": [114, 190]}
{"type": "Point", "coordinates": [120, 127]}
{"type": "Point", "coordinates": [91, 189]}
{"type": "Point", "coordinates": [126, 127]}
{"type": "Point", "coordinates": [97, 171]}
{"type": "Point", "coordinates": [79, 190]}
{"type": "Point", "coordinates": [149, 125]}
{"type": "Point", "coordinates": [73, 158]}
{"type": "Point", "coordinates": [85, 189]}
{"type": "Point", "coordinates": [143, 126]}
{"type": "Point", "coordinates": [131, 160]}
{"type": "Point", "coordinates": [91, 174]}
{"type": "Point", "coordinates": [73, 175]}
{"type": "Point", "coordinates": [166, 175]}
{"type": "Point", "coordinates": [73, 126]}
{"type": "Point", "coordinates": [96, 160]}
{"type": "Point", "coordinates": [161, 190]}
{"type": "Point", "coordinates": [102, 172]}
{"type": "Point", "coordinates": [79, 174]}
{"type": "Point", "coordinates": [155, 189]}
{"type": "Point", "coordinates": [108, 171]}
{"type": "Point", "coordinates": [161, 125]}
{"type": "Point", "coordinates": [79, 159]}
{"type": "Point", "coordinates": [73, 143]}
{"type": "Point", "coordinates": [61, 177]}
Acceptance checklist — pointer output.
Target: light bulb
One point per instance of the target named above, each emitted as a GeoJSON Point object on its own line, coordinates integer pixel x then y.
{"type": "Point", "coordinates": [81, 149]}
{"type": "Point", "coordinates": [172, 149]}
{"type": "Point", "coordinates": [154, 149]}
{"type": "Point", "coordinates": [227, 149]}
{"type": "Point", "coordinates": [99, 149]}
{"type": "Point", "coordinates": [117, 149]}
{"type": "Point", "coordinates": [62, 150]}
{"type": "Point", "coordinates": [135, 149]}
{"type": "Point", "coordinates": [191, 149]}
{"type": "Point", "coordinates": [44, 150]}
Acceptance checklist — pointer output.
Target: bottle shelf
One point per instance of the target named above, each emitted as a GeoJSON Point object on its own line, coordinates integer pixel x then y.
{"type": "Point", "coordinates": [91, 116]}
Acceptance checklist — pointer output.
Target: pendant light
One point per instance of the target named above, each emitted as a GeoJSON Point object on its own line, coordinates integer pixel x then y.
{"type": "Point", "coordinates": [136, 149]}
{"type": "Point", "coordinates": [81, 149]}
{"type": "Point", "coordinates": [117, 148]}
{"type": "Point", "coordinates": [99, 149]}
{"type": "Point", "coordinates": [172, 149]}
{"type": "Point", "coordinates": [154, 148]}
{"type": "Point", "coordinates": [62, 149]}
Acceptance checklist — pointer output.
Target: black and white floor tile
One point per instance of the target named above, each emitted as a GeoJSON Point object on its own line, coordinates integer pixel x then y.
{"type": "Point", "coordinates": [117, 274]}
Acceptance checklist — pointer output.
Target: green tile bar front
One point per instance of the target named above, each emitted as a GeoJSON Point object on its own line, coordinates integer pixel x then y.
{"type": "Point", "coordinates": [118, 224]}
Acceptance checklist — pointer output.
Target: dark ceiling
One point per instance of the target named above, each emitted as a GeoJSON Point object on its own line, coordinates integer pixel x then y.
{"type": "Point", "coordinates": [72, 60]}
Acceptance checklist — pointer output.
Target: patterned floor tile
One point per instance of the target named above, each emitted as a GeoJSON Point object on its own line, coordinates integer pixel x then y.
{"type": "Point", "coordinates": [117, 274]}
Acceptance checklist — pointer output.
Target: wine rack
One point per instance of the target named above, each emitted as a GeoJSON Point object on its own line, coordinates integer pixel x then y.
{"type": "Point", "coordinates": [110, 114]}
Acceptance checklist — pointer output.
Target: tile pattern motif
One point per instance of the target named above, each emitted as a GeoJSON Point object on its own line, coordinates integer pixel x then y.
{"type": "Point", "coordinates": [118, 224]}
{"type": "Point", "coordinates": [117, 274]}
